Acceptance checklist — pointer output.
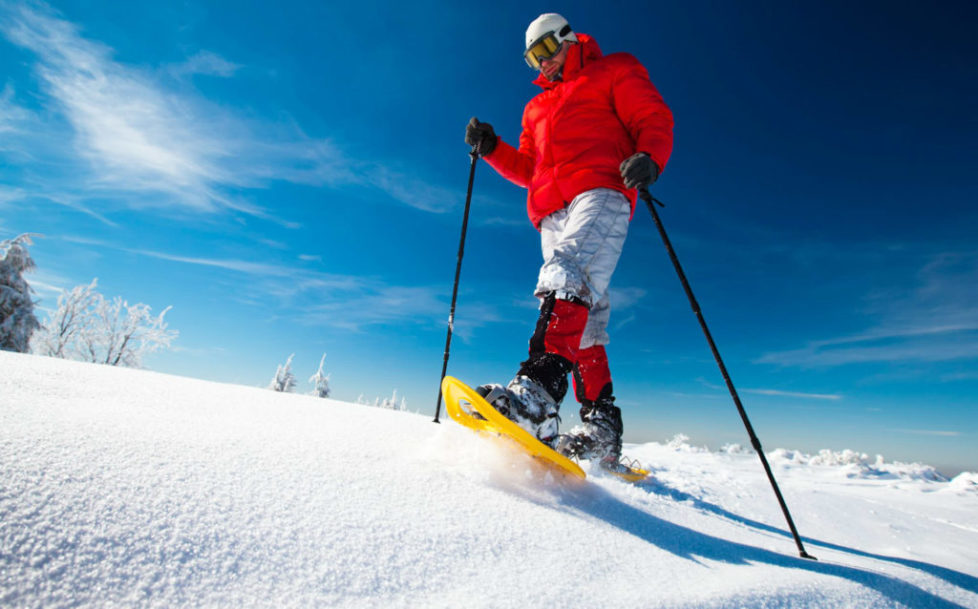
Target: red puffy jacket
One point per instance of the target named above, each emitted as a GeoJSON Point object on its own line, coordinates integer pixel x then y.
{"type": "Point", "coordinates": [578, 130]}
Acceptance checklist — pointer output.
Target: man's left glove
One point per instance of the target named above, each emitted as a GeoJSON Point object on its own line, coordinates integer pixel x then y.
{"type": "Point", "coordinates": [480, 136]}
{"type": "Point", "coordinates": [639, 171]}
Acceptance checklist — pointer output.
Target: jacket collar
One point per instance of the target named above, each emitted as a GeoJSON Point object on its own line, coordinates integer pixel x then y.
{"type": "Point", "coordinates": [578, 55]}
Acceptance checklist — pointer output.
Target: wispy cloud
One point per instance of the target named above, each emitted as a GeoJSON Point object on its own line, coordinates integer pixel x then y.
{"type": "Point", "coordinates": [410, 190]}
{"type": "Point", "coordinates": [130, 132]}
{"type": "Point", "coordinates": [376, 304]}
{"type": "Point", "coordinates": [175, 149]}
{"type": "Point", "coordinates": [922, 344]}
{"type": "Point", "coordinates": [48, 288]}
{"type": "Point", "coordinates": [353, 303]}
{"type": "Point", "coordinates": [204, 63]}
{"type": "Point", "coordinates": [776, 392]}
{"type": "Point", "coordinates": [318, 298]}
{"type": "Point", "coordinates": [10, 195]}
{"type": "Point", "coordinates": [960, 376]}
{"type": "Point", "coordinates": [239, 266]}
{"type": "Point", "coordinates": [794, 394]}
{"type": "Point", "coordinates": [507, 222]}
{"type": "Point", "coordinates": [12, 115]}
{"type": "Point", "coordinates": [76, 202]}
{"type": "Point", "coordinates": [623, 299]}
{"type": "Point", "coordinates": [624, 322]}
{"type": "Point", "coordinates": [929, 432]}
{"type": "Point", "coordinates": [304, 279]}
{"type": "Point", "coordinates": [933, 321]}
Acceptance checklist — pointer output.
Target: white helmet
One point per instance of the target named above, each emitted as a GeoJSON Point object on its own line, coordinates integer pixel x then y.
{"type": "Point", "coordinates": [545, 37]}
{"type": "Point", "coordinates": [549, 23]}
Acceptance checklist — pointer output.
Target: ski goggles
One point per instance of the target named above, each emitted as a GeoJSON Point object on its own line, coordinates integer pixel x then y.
{"type": "Point", "coordinates": [543, 49]}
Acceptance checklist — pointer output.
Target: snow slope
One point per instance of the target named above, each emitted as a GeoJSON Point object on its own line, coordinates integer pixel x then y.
{"type": "Point", "coordinates": [122, 488]}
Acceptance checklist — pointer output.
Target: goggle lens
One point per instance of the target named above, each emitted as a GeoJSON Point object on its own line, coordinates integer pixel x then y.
{"type": "Point", "coordinates": [541, 50]}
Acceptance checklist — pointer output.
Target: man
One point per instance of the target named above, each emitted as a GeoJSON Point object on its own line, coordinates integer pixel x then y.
{"type": "Point", "coordinates": [598, 132]}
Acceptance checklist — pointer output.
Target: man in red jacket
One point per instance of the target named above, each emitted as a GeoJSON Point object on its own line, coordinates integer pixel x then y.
{"type": "Point", "coordinates": [598, 132]}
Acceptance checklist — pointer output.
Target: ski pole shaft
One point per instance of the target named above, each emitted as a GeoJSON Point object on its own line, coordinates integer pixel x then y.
{"type": "Point", "coordinates": [458, 272]}
{"type": "Point", "coordinates": [755, 442]}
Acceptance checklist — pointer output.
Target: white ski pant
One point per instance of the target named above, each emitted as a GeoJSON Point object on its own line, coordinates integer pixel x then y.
{"type": "Point", "coordinates": [581, 246]}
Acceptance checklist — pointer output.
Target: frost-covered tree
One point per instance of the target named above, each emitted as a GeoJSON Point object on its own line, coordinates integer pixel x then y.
{"type": "Point", "coordinates": [88, 327]}
{"type": "Point", "coordinates": [123, 334]}
{"type": "Point", "coordinates": [17, 320]}
{"type": "Point", "coordinates": [392, 403]}
{"type": "Point", "coordinates": [60, 335]}
{"type": "Point", "coordinates": [284, 380]}
{"type": "Point", "coordinates": [320, 380]}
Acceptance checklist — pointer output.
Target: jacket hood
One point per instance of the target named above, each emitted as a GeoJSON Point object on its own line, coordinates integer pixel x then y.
{"type": "Point", "coordinates": [578, 55]}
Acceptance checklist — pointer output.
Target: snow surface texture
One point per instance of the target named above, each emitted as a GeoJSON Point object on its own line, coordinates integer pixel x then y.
{"type": "Point", "coordinates": [127, 488]}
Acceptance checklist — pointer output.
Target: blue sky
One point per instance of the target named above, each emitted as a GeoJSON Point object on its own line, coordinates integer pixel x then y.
{"type": "Point", "coordinates": [290, 178]}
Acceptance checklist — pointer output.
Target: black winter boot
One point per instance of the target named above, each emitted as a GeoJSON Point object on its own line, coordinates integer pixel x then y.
{"type": "Point", "coordinates": [599, 438]}
{"type": "Point", "coordinates": [532, 399]}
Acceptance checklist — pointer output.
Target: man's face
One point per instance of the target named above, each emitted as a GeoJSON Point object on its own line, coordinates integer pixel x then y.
{"type": "Point", "coordinates": [551, 68]}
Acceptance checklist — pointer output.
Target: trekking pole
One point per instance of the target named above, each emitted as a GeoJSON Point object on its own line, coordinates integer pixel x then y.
{"type": "Point", "coordinates": [458, 271]}
{"type": "Point", "coordinates": [755, 442]}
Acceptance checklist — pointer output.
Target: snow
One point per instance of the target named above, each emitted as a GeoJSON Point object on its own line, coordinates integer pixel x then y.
{"type": "Point", "coordinates": [127, 488]}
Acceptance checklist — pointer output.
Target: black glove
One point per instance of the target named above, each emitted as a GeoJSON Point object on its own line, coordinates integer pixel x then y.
{"type": "Point", "coordinates": [480, 136]}
{"type": "Point", "coordinates": [639, 171]}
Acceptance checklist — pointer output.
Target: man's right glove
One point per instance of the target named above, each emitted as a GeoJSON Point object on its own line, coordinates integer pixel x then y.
{"type": "Point", "coordinates": [480, 136]}
{"type": "Point", "coordinates": [639, 171]}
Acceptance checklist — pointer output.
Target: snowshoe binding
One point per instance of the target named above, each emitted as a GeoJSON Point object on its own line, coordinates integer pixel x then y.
{"type": "Point", "coordinates": [599, 440]}
{"type": "Point", "coordinates": [526, 403]}
{"type": "Point", "coordinates": [599, 437]}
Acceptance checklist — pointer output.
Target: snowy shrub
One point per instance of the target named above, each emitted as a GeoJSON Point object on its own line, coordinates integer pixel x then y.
{"type": "Point", "coordinates": [284, 380]}
{"type": "Point", "coordinates": [854, 464]}
{"type": "Point", "coordinates": [846, 457]}
{"type": "Point", "coordinates": [735, 449]}
{"type": "Point", "coordinates": [965, 482]}
{"type": "Point", "coordinates": [680, 443]}
{"type": "Point", "coordinates": [390, 403]}
{"type": "Point", "coordinates": [787, 457]}
{"type": "Point", "coordinates": [88, 327]}
{"type": "Point", "coordinates": [17, 320]}
{"type": "Point", "coordinates": [321, 381]}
